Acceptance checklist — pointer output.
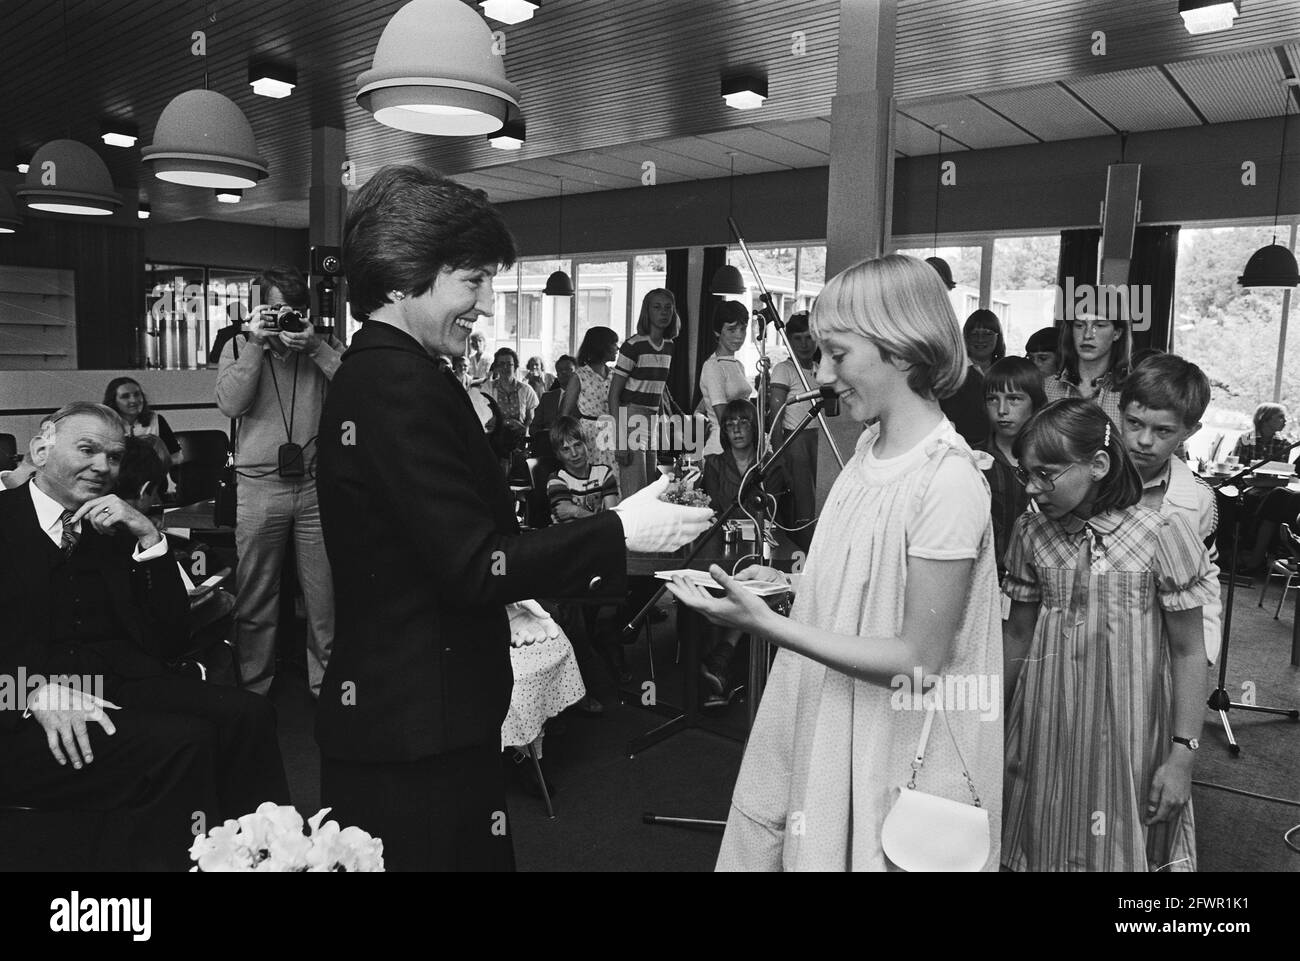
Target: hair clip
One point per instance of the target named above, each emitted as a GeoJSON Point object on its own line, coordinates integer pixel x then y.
{"type": "Point", "coordinates": [396, 295]}
{"type": "Point", "coordinates": [1105, 444]}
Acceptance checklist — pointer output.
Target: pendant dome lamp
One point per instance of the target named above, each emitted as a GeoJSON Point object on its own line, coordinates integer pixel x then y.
{"type": "Point", "coordinates": [9, 220]}
{"type": "Point", "coordinates": [727, 280]}
{"type": "Point", "coordinates": [67, 177]}
{"type": "Point", "coordinates": [1274, 265]}
{"type": "Point", "coordinates": [559, 284]}
{"type": "Point", "coordinates": [434, 72]}
{"type": "Point", "coordinates": [203, 140]}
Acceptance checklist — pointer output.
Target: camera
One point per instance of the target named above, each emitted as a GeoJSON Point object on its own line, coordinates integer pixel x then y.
{"type": "Point", "coordinates": [286, 318]}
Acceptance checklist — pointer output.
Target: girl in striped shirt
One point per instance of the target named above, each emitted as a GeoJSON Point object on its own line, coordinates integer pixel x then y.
{"type": "Point", "coordinates": [636, 388]}
{"type": "Point", "coordinates": [1104, 659]}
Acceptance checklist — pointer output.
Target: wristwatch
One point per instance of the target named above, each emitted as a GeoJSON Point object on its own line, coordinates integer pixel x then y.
{"type": "Point", "coordinates": [1190, 743]}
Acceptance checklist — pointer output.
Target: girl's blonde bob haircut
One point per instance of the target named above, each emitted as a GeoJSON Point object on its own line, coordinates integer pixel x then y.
{"type": "Point", "coordinates": [900, 305]}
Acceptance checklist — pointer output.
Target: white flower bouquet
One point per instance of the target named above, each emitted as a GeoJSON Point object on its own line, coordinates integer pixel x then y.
{"type": "Point", "coordinates": [271, 839]}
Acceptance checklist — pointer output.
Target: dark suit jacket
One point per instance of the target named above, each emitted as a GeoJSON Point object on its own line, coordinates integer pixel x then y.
{"type": "Point", "coordinates": [421, 535]}
{"type": "Point", "coordinates": [149, 599]}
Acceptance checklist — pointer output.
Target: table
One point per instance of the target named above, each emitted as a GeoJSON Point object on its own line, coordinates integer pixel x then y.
{"type": "Point", "coordinates": [692, 625]}
{"type": "Point", "coordinates": [193, 517]}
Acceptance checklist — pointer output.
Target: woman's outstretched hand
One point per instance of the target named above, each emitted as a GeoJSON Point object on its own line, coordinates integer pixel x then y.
{"type": "Point", "coordinates": [738, 607]}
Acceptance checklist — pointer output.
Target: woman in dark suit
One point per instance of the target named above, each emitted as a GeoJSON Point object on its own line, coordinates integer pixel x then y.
{"type": "Point", "coordinates": [420, 529]}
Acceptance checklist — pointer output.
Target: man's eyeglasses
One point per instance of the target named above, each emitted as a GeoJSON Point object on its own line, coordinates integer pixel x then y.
{"type": "Point", "coordinates": [1046, 482]}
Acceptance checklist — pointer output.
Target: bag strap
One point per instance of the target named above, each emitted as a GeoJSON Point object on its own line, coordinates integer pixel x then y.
{"type": "Point", "coordinates": [234, 423]}
{"type": "Point", "coordinates": [919, 761]}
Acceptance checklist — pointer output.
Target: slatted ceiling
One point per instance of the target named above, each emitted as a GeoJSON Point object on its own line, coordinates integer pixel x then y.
{"type": "Point", "coordinates": [915, 139]}
{"type": "Point", "coordinates": [1047, 111]}
{"type": "Point", "coordinates": [666, 164]}
{"type": "Point", "coordinates": [498, 191]}
{"type": "Point", "coordinates": [579, 175]}
{"type": "Point", "coordinates": [814, 134]}
{"type": "Point", "coordinates": [768, 146]}
{"type": "Point", "coordinates": [946, 47]}
{"type": "Point", "coordinates": [970, 123]}
{"type": "Point", "coordinates": [1237, 87]}
{"type": "Point", "coordinates": [1139, 99]}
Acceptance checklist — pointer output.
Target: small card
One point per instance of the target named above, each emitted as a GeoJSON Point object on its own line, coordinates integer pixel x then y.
{"type": "Point", "coordinates": [705, 580]}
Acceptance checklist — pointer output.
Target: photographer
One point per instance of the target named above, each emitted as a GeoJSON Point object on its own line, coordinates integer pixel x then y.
{"type": "Point", "coordinates": [274, 380]}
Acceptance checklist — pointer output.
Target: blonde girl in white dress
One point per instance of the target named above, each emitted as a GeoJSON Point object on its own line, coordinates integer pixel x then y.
{"type": "Point", "coordinates": [900, 583]}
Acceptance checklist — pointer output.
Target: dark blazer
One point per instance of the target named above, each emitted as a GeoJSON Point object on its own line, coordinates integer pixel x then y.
{"type": "Point", "coordinates": [421, 535]}
{"type": "Point", "coordinates": [149, 599]}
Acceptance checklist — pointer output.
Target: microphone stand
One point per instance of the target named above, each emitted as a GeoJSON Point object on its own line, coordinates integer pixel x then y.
{"type": "Point", "coordinates": [756, 474]}
{"type": "Point", "coordinates": [689, 718]}
{"type": "Point", "coordinates": [771, 316]}
{"type": "Point", "coordinates": [1220, 700]}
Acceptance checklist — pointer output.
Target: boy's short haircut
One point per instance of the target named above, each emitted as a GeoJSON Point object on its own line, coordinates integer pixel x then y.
{"type": "Point", "coordinates": [1016, 374]}
{"type": "Point", "coordinates": [565, 428]}
{"type": "Point", "coordinates": [1167, 382]}
{"type": "Point", "coordinates": [798, 323]}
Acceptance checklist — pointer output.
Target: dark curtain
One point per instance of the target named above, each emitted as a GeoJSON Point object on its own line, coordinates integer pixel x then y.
{"type": "Point", "coordinates": [1154, 266]}
{"type": "Point", "coordinates": [705, 339]}
{"type": "Point", "coordinates": [679, 375]}
{"type": "Point", "coordinates": [1078, 258]}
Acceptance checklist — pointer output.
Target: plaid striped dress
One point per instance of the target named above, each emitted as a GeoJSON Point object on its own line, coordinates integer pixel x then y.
{"type": "Point", "coordinates": [1091, 716]}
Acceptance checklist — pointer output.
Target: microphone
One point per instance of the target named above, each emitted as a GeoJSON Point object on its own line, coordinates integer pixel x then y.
{"type": "Point", "coordinates": [825, 392]}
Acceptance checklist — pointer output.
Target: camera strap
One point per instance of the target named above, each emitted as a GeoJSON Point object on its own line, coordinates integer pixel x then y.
{"type": "Point", "coordinates": [293, 397]}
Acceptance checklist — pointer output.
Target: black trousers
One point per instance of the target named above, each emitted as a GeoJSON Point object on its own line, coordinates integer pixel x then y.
{"type": "Point", "coordinates": [186, 756]}
{"type": "Point", "coordinates": [440, 813]}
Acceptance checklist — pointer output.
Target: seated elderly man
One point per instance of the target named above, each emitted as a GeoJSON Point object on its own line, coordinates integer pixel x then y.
{"type": "Point", "coordinates": [90, 720]}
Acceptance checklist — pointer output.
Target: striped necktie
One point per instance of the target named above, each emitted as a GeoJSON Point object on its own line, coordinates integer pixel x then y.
{"type": "Point", "coordinates": [70, 535]}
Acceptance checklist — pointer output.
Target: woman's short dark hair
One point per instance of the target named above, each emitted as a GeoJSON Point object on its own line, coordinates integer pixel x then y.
{"type": "Point", "coordinates": [407, 224]}
{"type": "Point", "coordinates": [595, 342]}
{"type": "Point", "coordinates": [110, 399]}
{"type": "Point", "coordinates": [289, 281]}
{"type": "Point", "coordinates": [729, 312]}
{"type": "Point", "coordinates": [505, 352]}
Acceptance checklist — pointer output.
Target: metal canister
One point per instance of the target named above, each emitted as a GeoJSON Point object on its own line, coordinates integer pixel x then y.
{"type": "Point", "coordinates": [731, 534]}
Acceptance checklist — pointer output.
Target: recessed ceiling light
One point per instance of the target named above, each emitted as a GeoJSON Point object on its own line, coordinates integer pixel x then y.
{"type": "Point", "coordinates": [271, 79]}
{"type": "Point", "coordinates": [117, 134]}
{"type": "Point", "coordinates": [1208, 16]}
{"type": "Point", "coordinates": [744, 92]}
{"type": "Point", "coordinates": [509, 137]}
{"type": "Point", "coordinates": [229, 196]}
{"type": "Point", "coordinates": [510, 11]}
{"type": "Point", "coordinates": [143, 211]}
{"type": "Point", "coordinates": [23, 166]}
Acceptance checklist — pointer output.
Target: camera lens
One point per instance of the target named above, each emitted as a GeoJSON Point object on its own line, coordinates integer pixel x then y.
{"type": "Point", "coordinates": [290, 320]}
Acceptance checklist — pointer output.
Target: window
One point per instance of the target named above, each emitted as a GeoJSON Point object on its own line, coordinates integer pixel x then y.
{"type": "Point", "coordinates": [1231, 332]}
{"type": "Point", "coordinates": [525, 319]}
{"type": "Point", "coordinates": [1024, 286]}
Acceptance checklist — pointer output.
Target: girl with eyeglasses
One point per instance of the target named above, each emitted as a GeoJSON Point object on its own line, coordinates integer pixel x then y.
{"type": "Point", "coordinates": [1094, 361]}
{"type": "Point", "coordinates": [1104, 656]}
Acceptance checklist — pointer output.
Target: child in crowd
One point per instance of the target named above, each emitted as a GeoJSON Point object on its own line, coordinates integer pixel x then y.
{"type": "Point", "coordinates": [1103, 651]}
{"type": "Point", "coordinates": [1160, 408]}
{"type": "Point", "coordinates": [1013, 392]}
{"type": "Point", "coordinates": [636, 387]}
{"type": "Point", "coordinates": [800, 457]}
{"type": "Point", "coordinates": [900, 583]}
{"type": "Point", "coordinates": [1041, 349]}
{"type": "Point", "coordinates": [579, 488]}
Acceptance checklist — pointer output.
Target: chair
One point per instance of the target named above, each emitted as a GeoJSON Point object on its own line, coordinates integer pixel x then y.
{"type": "Point", "coordinates": [1286, 567]}
{"type": "Point", "coordinates": [203, 455]}
{"type": "Point", "coordinates": [8, 452]}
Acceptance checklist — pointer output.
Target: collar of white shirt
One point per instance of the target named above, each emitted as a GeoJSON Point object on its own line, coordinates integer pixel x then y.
{"type": "Point", "coordinates": [48, 511]}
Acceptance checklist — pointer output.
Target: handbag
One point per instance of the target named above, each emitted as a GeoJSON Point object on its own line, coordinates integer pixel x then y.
{"type": "Point", "coordinates": [925, 832]}
{"type": "Point", "coordinates": [226, 500]}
